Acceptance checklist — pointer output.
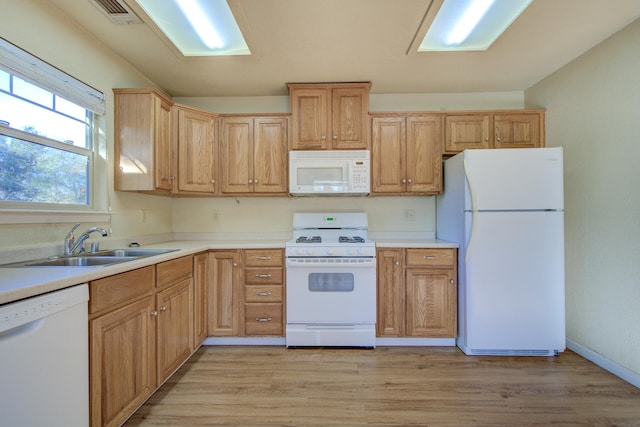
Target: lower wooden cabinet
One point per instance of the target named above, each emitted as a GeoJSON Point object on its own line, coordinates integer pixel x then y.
{"type": "Point", "coordinates": [140, 331]}
{"type": "Point", "coordinates": [417, 292]}
{"type": "Point", "coordinates": [246, 293]}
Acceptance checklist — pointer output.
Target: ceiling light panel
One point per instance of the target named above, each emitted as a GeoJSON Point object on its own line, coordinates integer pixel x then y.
{"type": "Point", "coordinates": [198, 27]}
{"type": "Point", "coordinates": [471, 24]}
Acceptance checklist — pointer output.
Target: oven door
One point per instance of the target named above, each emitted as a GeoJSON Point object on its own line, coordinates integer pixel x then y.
{"type": "Point", "coordinates": [340, 291]}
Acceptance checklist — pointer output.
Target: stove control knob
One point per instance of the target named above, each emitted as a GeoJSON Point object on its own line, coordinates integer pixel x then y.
{"type": "Point", "coordinates": [309, 251]}
{"type": "Point", "coordinates": [329, 251]}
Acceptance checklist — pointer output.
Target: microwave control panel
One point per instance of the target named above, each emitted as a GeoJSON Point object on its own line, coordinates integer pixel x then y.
{"type": "Point", "coordinates": [360, 175]}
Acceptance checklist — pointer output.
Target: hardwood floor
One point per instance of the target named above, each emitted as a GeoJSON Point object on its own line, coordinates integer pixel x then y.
{"type": "Point", "coordinates": [436, 386]}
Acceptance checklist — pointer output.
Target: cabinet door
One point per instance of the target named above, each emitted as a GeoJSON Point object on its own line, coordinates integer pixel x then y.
{"type": "Point", "coordinates": [270, 155]}
{"type": "Point", "coordinates": [391, 293]}
{"type": "Point", "coordinates": [200, 276]}
{"type": "Point", "coordinates": [223, 295]}
{"type": "Point", "coordinates": [388, 154]}
{"type": "Point", "coordinates": [122, 363]}
{"type": "Point", "coordinates": [196, 151]}
{"type": "Point", "coordinates": [431, 303]}
{"type": "Point", "coordinates": [164, 152]}
{"type": "Point", "coordinates": [424, 154]}
{"type": "Point", "coordinates": [310, 113]}
{"type": "Point", "coordinates": [467, 131]}
{"type": "Point", "coordinates": [517, 131]}
{"type": "Point", "coordinates": [236, 155]}
{"type": "Point", "coordinates": [349, 110]}
{"type": "Point", "coordinates": [175, 327]}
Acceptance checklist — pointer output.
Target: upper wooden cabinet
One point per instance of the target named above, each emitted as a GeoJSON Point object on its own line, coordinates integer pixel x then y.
{"type": "Point", "coordinates": [253, 154]}
{"type": "Point", "coordinates": [494, 129]}
{"type": "Point", "coordinates": [144, 151]}
{"type": "Point", "coordinates": [196, 142]}
{"type": "Point", "coordinates": [406, 153]}
{"type": "Point", "coordinates": [329, 116]}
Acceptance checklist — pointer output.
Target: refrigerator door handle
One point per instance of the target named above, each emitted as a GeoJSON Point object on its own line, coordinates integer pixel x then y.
{"type": "Point", "coordinates": [472, 193]}
{"type": "Point", "coordinates": [471, 240]}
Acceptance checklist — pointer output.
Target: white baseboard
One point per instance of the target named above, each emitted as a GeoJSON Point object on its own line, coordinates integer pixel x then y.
{"type": "Point", "coordinates": [605, 363]}
{"type": "Point", "coordinates": [243, 341]}
{"type": "Point", "coordinates": [427, 342]}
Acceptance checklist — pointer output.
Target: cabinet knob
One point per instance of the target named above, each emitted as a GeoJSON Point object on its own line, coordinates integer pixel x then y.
{"type": "Point", "coordinates": [163, 308]}
{"type": "Point", "coordinates": [404, 181]}
{"type": "Point", "coordinates": [154, 313]}
{"type": "Point", "coordinates": [409, 180]}
{"type": "Point", "coordinates": [263, 319]}
{"type": "Point", "coordinates": [452, 281]}
{"type": "Point", "coordinates": [213, 181]}
{"type": "Point", "coordinates": [173, 178]}
{"type": "Point", "coordinates": [255, 181]}
{"type": "Point", "coordinates": [323, 137]}
{"type": "Point", "coordinates": [397, 263]}
{"type": "Point", "coordinates": [335, 137]}
{"type": "Point", "coordinates": [235, 264]}
{"type": "Point", "coordinates": [486, 139]}
{"type": "Point", "coordinates": [498, 139]}
{"type": "Point", "coordinates": [250, 181]}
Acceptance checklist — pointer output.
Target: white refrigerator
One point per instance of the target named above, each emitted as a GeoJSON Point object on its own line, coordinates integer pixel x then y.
{"type": "Point", "coordinates": [504, 207]}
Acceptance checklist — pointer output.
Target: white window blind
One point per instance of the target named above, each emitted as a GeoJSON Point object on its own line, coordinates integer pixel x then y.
{"type": "Point", "coordinates": [19, 62]}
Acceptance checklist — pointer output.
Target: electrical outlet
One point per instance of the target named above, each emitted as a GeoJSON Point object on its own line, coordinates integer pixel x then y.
{"type": "Point", "coordinates": [215, 216]}
{"type": "Point", "coordinates": [408, 215]}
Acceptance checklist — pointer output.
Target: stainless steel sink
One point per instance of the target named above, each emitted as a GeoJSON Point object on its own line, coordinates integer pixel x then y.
{"type": "Point", "coordinates": [107, 257]}
{"type": "Point", "coordinates": [137, 253]}
{"type": "Point", "coordinates": [80, 261]}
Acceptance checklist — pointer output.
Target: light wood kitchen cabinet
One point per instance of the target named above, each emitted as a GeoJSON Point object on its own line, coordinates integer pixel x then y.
{"type": "Point", "coordinates": [329, 115]}
{"type": "Point", "coordinates": [406, 154]}
{"type": "Point", "coordinates": [143, 149]}
{"type": "Point", "coordinates": [263, 292]}
{"type": "Point", "coordinates": [254, 152]}
{"type": "Point", "coordinates": [494, 129]}
{"type": "Point", "coordinates": [246, 293]}
{"type": "Point", "coordinates": [225, 275]}
{"type": "Point", "coordinates": [195, 131]}
{"type": "Point", "coordinates": [174, 302]}
{"type": "Point", "coordinates": [200, 278]}
{"type": "Point", "coordinates": [141, 331]}
{"type": "Point", "coordinates": [122, 349]}
{"type": "Point", "coordinates": [417, 295]}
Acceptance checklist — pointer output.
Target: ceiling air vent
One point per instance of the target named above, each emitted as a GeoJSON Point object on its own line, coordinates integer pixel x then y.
{"type": "Point", "coordinates": [117, 11]}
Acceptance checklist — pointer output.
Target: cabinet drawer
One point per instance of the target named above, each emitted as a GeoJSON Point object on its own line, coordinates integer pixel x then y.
{"type": "Point", "coordinates": [263, 257]}
{"type": "Point", "coordinates": [109, 292]}
{"type": "Point", "coordinates": [263, 293]}
{"type": "Point", "coordinates": [175, 270]}
{"type": "Point", "coordinates": [263, 319]}
{"type": "Point", "coordinates": [269, 275]}
{"type": "Point", "coordinates": [431, 257]}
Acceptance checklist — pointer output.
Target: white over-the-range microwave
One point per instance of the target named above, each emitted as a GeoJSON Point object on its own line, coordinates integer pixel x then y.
{"type": "Point", "coordinates": [329, 173]}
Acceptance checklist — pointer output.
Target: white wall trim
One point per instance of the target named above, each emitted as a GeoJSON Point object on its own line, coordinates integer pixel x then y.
{"type": "Point", "coordinates": [243, 341]}
{"type": "Point", "coordinates": [605, 363]}
{"type": "Point", "coordinates": [427, 342]}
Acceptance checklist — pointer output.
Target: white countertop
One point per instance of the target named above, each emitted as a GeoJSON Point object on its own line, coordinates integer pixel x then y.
{"type": "Point", "coordinates": [24, 282]}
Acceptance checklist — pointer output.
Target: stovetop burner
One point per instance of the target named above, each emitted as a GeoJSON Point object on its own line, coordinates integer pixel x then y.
{"type": "Point", "coordinates": [350, 239]}
{"type": "Point", "coordinates": [306, 239]}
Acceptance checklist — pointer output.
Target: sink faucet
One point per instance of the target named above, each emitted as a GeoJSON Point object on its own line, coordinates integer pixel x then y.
{"type": "Point", "coordinates": [70, 243]}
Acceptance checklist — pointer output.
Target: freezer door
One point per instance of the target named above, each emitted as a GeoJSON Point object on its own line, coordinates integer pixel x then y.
{"type": "Point", "coordinates": [514, 283]}
{"type": "Point", "coordinates": [514, 179]}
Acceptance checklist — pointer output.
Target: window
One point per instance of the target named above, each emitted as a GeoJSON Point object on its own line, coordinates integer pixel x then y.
{"type": "Point", "coordinates": [46, 134]}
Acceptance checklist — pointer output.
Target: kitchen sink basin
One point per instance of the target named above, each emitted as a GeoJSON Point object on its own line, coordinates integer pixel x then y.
{"type": "Point", "coordinates": [107, 257]}
{"type": "Point", "coordinates": [80, 261]}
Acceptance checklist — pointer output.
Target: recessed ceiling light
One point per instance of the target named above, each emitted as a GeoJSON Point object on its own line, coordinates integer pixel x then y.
{"type": "Point", "coordinates": [471, 24]}
{"type": "Point", "coordinates": [198, 27]}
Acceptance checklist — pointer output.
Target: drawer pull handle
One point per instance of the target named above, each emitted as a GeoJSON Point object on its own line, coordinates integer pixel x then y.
{"type": "Point", "coordinates": [430, 257]}
{"type": "Point", "coordinates": [263, 294]}
{"type": "Point", "coordinates": [263, 319]}
{"type": "Point", "coordinates": [263, 258]}
{"type": "Point", "coordinates": [263, 276]}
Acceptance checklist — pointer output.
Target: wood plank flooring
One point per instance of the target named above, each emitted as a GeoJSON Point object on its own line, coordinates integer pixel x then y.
{"type": "Point", "coordinates": [387, 386]}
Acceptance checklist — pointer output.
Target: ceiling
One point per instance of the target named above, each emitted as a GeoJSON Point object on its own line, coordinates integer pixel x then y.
{"type": "Point", "coordinates": [360, 40]}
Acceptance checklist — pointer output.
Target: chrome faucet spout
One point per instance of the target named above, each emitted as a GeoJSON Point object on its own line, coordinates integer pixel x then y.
{"type": "Point", "coordinates": [79, 244]}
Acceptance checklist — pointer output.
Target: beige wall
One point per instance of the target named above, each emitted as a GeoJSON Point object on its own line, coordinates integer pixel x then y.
{"type": "Point", "coordinates": [593, 111]}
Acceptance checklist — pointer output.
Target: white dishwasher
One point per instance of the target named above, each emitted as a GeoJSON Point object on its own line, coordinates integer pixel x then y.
{"type": "Point", "coordinates": [44, 360]}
